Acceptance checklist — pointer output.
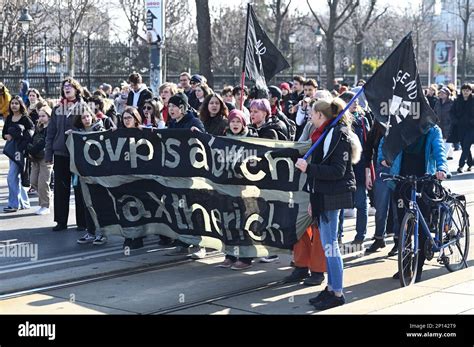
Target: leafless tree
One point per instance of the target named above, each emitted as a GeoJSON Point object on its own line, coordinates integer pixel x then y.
{"type": "Point", "coordinates": [362, 20]}
{"type": "Point", "coordinates": [203, 21]}
{"type": "Point", "coordinates": [134, 10]}
{"type": "Point", "coordinates": [280, 11]}
{"type": "Point", "coordinates": [339, 13]}
{"type": "Point", "coordinates": [465, 9]}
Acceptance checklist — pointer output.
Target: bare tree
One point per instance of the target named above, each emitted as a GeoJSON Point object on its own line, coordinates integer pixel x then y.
{"type": "Point", "coordinates": [363, 19]}
{"type": "Point", "coordinates": [134, 10]}
{"type": "Point", "coordinates": [339, 13]}
{"type": "Point", "coordinates": [203, 21]}
{"type": "Point", "coordinates": [465, 11]}
{"type": "Point", "coordinates": [280, 11]}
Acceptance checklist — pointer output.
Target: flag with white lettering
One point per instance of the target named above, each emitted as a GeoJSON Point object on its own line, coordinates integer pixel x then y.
{"type": "Point", "coordinates": [242, 196]}
{"type": "Point", "coordinates": [395, 96]}
{"type": "Point", "coordinates": [263, 60]}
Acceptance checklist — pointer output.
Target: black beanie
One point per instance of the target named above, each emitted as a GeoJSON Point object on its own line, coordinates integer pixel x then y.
{"type": "Point", "coordinates": [179, 99]}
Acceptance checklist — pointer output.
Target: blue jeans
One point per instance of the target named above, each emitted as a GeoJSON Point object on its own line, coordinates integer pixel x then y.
{"type": "Point", "coordinates": [17, 195]}
{"type": "Point", "coordinates": [383, 201]}
{"type": "Point", "coordinates": [360, 202]}
{"type": "Point", "coordinates": [328, 225]}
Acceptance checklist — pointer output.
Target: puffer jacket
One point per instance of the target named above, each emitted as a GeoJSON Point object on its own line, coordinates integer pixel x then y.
{"type": "Point", "coordinates": [5, 102]}
{"type": "Point", "coordinates": [330, 171]}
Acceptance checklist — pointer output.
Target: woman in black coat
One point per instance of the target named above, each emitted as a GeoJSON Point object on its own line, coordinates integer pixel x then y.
{"type": "Point", "coordinates": [331, 183]}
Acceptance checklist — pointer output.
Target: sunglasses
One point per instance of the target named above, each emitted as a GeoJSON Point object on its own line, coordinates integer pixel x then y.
{"type": "Point", "coordinates": [148, 108]}
{"type": "Point", "coordinates": [67, 85]}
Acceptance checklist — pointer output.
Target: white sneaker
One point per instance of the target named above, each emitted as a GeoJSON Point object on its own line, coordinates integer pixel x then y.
{"type": "Point", "coordinates": [269, 259]}
{"type": "Point", "coordinates": [199, 254]}
{"type": "Point", "coordinates": [42, 211]}
{"type": "Point", "coordinates": [372, 211]}
{"type": "Point", "coordinates": [87, 238]}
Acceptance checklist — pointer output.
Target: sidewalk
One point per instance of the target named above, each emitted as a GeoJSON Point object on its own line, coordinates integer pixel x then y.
{"type": "Point", "coordinates": [448, 294]}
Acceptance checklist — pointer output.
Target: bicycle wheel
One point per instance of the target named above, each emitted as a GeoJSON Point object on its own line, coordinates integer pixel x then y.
{"type": "Point", "coordinates": [407, 254]}
{"type": "Point", "coordinates": [455, 226]}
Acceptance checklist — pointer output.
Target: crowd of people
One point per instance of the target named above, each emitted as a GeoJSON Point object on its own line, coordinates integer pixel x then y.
{"type": "Point", "coordinates": [343, 172]}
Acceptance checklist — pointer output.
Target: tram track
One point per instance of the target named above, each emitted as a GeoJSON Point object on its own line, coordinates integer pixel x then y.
{"type": "Point", "coordinates": [103, 277]}
{"type": "Point", "coordinates": [156, 267]}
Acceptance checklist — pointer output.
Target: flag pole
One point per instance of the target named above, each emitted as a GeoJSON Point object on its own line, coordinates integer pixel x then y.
{"type": "Point", "coordinates": [334, 122]}
{"type": "Point", "coordinates": [242, 79]}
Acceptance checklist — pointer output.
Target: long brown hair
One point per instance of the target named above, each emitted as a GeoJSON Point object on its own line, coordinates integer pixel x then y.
{"type": "Point", "coordinates": [75, 84]}
{"type": "Point", "coordinates": [134, 113]}
{"type": "Point", "coordinates": [23, 110]}
{"type": "Point", "coordinates": [204, 113]}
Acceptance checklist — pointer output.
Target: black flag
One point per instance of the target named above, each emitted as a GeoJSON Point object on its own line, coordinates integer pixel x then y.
{"type": "Point", "coordinates": [395, 96]}
{"type": "Point", "coordinates": [262, 59]}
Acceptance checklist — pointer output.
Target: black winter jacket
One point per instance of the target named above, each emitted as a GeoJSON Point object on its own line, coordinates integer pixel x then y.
{"type": "Point", "coordinates": [187, 122]}
{"type": "Point", "coordinates": [331, 180]}
{"type": "Point", "coordinates": [216, 125]}
{"type": "Point", "coordinates": [462, 116]}
{"type": "Point", "coordinates": [36, 147]}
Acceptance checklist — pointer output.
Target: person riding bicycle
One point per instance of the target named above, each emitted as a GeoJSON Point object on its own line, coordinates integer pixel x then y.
{"type": "Point", "coordinates": [425, 156]}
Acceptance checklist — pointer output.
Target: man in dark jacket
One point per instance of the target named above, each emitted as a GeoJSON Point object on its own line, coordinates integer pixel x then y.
{"type": "Point", "coordinates": [181, 116]}
{"type": "Point", "coordinates": [139, 92]}
{"type": "Point", "coordinates": [463, 119]}
{"type": "Point", "coordinates": [442, 109]}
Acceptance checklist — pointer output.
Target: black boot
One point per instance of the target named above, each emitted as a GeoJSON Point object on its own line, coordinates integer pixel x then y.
{"type": "Point", "coordinates": [298, 275]}
{"type": "Point", "coordinates": [378, 243]}
{"type": "Point", "coordinates": [315, 279]}
{"type": "Point", "coordinates": [394, 250]}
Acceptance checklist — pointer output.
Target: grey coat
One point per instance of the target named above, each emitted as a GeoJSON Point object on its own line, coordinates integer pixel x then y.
{"type": "Point", "coordinates": [62, 119]}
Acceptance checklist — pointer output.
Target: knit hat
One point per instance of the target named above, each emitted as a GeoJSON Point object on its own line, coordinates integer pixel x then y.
{"type": "Point", "coordinates": [196, 79]}
{"type": "Point", "coordinates": [446, 91]}
{"type": "Point", "coordinates": [179, 99]}
{"type": "Point", "coordinates": [286, 86]}
{"type": "Point", "coordinates": [237, 114]}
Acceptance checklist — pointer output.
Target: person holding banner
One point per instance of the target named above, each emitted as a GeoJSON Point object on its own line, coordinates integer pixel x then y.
{"type": "Point", "coordinates": [167, 90]}
{"type": "Point", "coordinates": [331, 184]}
{"type": "Point", "coordinates": [183, 118]}
{"type": "Point", "coordinates": [62, 119]}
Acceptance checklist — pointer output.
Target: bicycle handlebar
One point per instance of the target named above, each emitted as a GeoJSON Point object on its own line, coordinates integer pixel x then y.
{"type": "Point", "coordinates": [424, 178]}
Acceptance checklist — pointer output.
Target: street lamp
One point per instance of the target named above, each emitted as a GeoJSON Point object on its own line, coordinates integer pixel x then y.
{"type": "Point", "coordinates": [292, 40]}
{"type": "Point", "coordinates": [319, 39]}
{"type": "Point", "coordinates": [25, 20]}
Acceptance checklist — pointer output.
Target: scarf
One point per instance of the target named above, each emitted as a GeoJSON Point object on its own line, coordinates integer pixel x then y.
{"type": "Point", "coordinates": [319, 131]}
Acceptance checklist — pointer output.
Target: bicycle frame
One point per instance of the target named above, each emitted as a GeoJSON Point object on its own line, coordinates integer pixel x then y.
{"type": "Point", "coordinates": [415, 209]}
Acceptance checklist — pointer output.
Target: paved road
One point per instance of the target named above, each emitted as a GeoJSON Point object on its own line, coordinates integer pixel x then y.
{"type": "Point", "coordinates": [187, 287]}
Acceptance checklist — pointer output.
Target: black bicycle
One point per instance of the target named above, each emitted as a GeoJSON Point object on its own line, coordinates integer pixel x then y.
{"type": "Point", "coordinates": [449, 221]}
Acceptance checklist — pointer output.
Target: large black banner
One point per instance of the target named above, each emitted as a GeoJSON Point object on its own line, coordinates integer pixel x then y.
{"type": "Point", "coordinates": [395, 96]}
{"type": "Point", "coordinates": [243, 196]}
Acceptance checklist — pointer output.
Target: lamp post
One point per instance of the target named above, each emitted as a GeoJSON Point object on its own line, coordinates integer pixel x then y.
{"type": "Point", "coordinates": [292, 40]}
{"type": "Point", "coordinates": [25, 20]}
{"type": "Point", "coordinates": [319, 40]}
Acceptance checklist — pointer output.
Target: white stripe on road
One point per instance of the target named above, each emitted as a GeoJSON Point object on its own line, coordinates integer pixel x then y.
{"type": "Point", "coordinates": [64, 259]}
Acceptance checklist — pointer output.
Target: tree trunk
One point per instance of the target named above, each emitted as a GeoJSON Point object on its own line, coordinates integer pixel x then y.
{"type": "Point", "coordinates": [330, 67]}
{"type": "Point", "coordinates": [358, 59]}
{"type": "Point", "coordinates": [279, 22]}
{"type": "Point", "coordinates": [203, 21]}
{"type": "Point", "coordinates": [70, 63]}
